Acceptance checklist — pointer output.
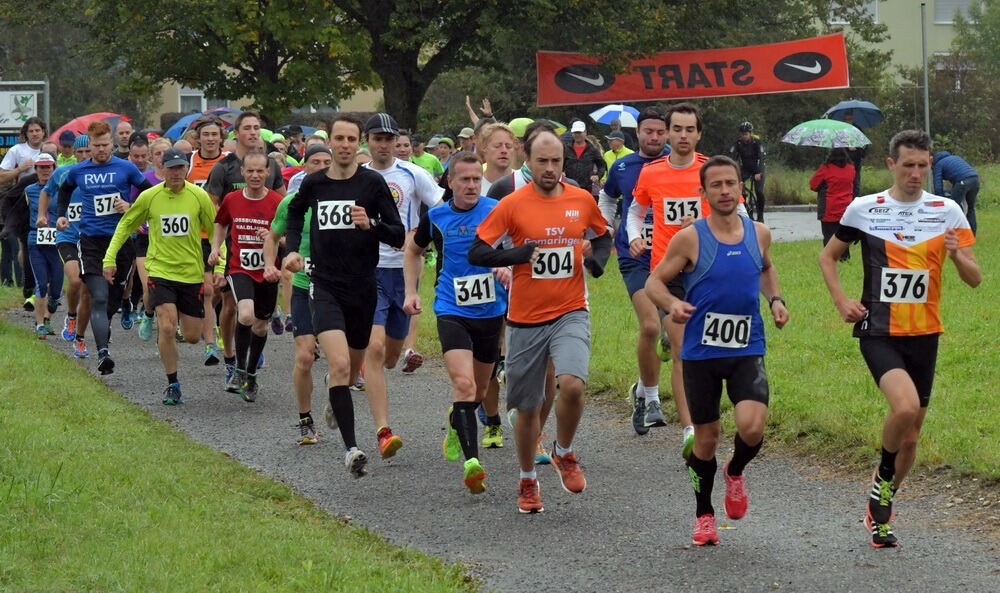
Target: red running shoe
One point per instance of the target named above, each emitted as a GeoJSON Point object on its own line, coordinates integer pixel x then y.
{"type": "Point", "coordinates": [736, 495]}
{"type": "Point", "coordinates": [388, 443]}
{"type": "Point", "coordinates": [704, 531]}
{"type": "Point", "coordinates": [528, 499]}
{"type": "Point", "coordinates": [570, 474]}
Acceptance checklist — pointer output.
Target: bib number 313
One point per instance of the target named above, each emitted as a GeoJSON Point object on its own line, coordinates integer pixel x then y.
{"type": "Point", "coordinates": [553, 263]}
{"type": "Point", "coordinates": [904, 286]}
{"type": "Point", "coordinates": [726, 331]}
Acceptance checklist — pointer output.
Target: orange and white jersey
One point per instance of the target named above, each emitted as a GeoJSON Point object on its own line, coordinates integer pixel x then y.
{"type": "Point", "coordinates": [902, 247]}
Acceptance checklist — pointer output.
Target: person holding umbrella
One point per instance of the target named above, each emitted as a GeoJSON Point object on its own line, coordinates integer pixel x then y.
{"type": "Point", "coordinates": [834, 181]}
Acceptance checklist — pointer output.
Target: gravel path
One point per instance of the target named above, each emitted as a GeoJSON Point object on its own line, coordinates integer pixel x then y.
{"type": "Point", "coordinates": [630, 530]}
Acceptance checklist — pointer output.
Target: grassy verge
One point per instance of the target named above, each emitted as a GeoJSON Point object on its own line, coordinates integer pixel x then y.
{"type": "Point", "coordinates": [823, 399]}
{"type": "Point", "coordinates": [97, 496]}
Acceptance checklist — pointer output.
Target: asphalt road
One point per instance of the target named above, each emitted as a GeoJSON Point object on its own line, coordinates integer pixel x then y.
{"type": "Point", "coordinates": [629, 531]}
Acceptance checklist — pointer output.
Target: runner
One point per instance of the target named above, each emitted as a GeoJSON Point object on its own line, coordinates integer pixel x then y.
{"type": "Point", "coordinates": [226, 177]}
{"type": "Point", "coordinates": [470, 302]}
{"type": "Point", "coordinates": [244, 218]}
{"type": "Point", "coordinates": [42, 252]}
{"type": "Point", "coordinates": [671, 187]}
{"type": "Point", "coordinates": [355, 211]}
{"type": "Point", "coordinates": [548, 223]}
{"type": "Point", "coordinates": [77, 295]}
{"type": "Point", "coordinates": [726, 264]}
{"type": "Point", "coordinates": [176, 211]}
{"type": "Point", "coordinates": [906, 234]}
{"type": "Point", "coordinates": [498, 146]}
{"type": "Point", "coordinates": [411, 186]}
{"type": "Point", "coordinates": [209, 153]}
{"type": "Point", "coordinates": [644, 394]}
{"type": "Point", "coordinates": [104, 179]}
{"type": "Point", "coordinates": [318, 158]}
{"type": "Point", "coordinates": [155, 175]}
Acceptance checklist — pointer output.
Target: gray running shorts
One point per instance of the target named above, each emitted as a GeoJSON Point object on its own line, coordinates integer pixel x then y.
{"type": "Point", "coordinates": [566, 341]}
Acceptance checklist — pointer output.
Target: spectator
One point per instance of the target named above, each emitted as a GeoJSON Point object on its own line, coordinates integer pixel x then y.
{"type": "Point", "coordinates": [834, 183]}
{"type": "Point", "coordinates": [582, 163]}
{"type": "Point", "coordinates": [616, 143]}
{"type": "Point", "coordinates": [631, 140]}
{"type": "Point", "coordinates": [425, 159]}
{"type": "Point", "coordinates": [20, 159]}
{"type": "Point", "coordinates": [856, 154]}
{"type": "Point", "coordinates": [66, 156]}
{"type": "Point", "coordinates": [465, 138]}
{"type": "Point", "coordinates": [964, 182]}
{"type": "Point", "coordinates": [123, 134]}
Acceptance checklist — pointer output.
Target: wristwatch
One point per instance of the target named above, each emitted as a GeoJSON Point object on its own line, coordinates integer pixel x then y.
{"type": "Point", "coordinates": [776, 297]}
{"type": "Point", "coordinates": [372, 223]}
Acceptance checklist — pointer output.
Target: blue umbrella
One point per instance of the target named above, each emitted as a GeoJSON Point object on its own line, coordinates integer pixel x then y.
{"type": "Point", "coordinates": [175, 131]}
{"type": "Point", "coordinates": [225, 114]}
{"type": "Point", "coordinates": [865, 114]}
{"type": "Point", "coordinates": [625, 114]}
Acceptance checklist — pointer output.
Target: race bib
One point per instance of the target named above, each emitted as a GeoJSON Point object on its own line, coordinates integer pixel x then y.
{"type": "Point", "coordinates": [334, 215]}
{"type": "Point", "coordinates": [73, 212]}
{"type": "Point", "coordinates": [308, 266]}
{"type": "Point", "coordinates": [475, 290]}
{"type": "Point", "coordinates": [553, 263]}
{"type": "Point", "coordinates": [104, 205]}
{"type": "Point", "coordinates": [674, 209]}
{"type": "Point", "coordinates": [45, 236]}
{"type": "Point", "coordinates": [904, 286]}
{"type": "Point", "coordinates": [726, 331]}
{"type": "Point", "coordinates": [200, 182]}
{"type": "Point", "coordinates": [252, 259]}
{"type": "Point", "coordinates": [647, 234]}
{"type": "Point", "coordinates": [174, 225]}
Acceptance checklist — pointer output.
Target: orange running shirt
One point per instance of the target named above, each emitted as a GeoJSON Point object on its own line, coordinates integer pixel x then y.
{"type": "Point", "coordinates": [902, 247]}
{"type": "Point", "coordinates": [673, 194]}
{"type": "Point", "coordinates": [199, 170]}
{"type": "Point", "coordinates": [553, 285]}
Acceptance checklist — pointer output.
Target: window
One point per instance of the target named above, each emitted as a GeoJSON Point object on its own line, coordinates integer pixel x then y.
{"type": "Point", "coordinates": [944, 10]}
{"type": "Point", "coordinates": [869, 8]}
{"type": "Point", "coordinates": [194, 101]}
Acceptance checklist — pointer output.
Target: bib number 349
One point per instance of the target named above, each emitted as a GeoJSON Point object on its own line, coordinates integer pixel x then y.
{"type": "Point", "coordinates": [726, 331]}
{"type": "Point", "coordinates": [553, 263]}
{"type": "Point", "coordinates": [904, 286]}
{"type": "Point", "coordinates": [475, 290]}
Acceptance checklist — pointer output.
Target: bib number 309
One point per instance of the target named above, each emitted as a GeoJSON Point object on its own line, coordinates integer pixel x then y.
{"type": "Point", "coordinates": [334, 215]}
{"type": "Point", "coordinates": [904, 286]}
{"type": "Point", "coordinates": [475, 290]}
{"type": "Point", "coordinates": [726, 331]}
{"type": "Point", "coordinates": [252, 259]}
{"type": "Point", "coordinates": [553, 263]}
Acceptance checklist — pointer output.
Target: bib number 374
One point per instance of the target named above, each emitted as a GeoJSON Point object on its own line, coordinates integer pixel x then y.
{"type": "Point", "coordinates": [553, 263]}
{"type": "Point", "coordinates": [334, 215]}
{"type": "Point", "coordinates": [726, 331]}
{"type": "Point", "coordinates": [475, 290]}
{"type": "Point", "coordinates": [104, 205]}
{"type": "Point", "coordinates": [904, 286]}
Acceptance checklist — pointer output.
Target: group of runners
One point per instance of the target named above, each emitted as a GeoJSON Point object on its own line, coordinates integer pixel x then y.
{"type": "Point", "coordinates": [219, 234]}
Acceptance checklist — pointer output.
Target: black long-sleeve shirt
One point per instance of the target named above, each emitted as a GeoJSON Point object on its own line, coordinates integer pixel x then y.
{"type": "Point", "coordinates": [339, 249]}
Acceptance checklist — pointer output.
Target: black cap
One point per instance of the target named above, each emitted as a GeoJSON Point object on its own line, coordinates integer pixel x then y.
{"type": "Point", "coordinates": [381, 123]}
{"type": "Point", "coordinates": [173, 157]}
{"type": "Point", "coordinates": [67, 138]}
{"type": "Point", "coordinates": [416, 139]}
{"type": "Point", "coordinates": [316, 148]}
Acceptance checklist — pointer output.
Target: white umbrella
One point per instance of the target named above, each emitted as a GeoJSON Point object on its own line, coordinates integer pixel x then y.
{"type": "Point", "coordinates": [625, 114]}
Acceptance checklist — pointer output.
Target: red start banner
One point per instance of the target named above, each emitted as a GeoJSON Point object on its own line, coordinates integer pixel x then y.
{"type": "Point", "coordinates": [802, 65]}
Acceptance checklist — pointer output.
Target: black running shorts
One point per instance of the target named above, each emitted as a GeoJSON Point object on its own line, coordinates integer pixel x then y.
{"type": "Point", "coordinates": [745, 379]}
{"type": "Point", "coordinates": [917, 355]}
{"type": "Point", "coordinates": [350, 310]}
{"type": "Point", "coordinates": [481, 336]}
{"type": "Point", "coordinates": [189, 298]}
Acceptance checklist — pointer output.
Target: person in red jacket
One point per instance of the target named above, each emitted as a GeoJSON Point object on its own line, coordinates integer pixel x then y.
{"type": "Point", "coordinates": [834, 181]}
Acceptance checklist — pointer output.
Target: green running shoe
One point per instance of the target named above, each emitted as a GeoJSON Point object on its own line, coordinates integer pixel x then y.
{"type": "Point", "coordinates": [450, 446]}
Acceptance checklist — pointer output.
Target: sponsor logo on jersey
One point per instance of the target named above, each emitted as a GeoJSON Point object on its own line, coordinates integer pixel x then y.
{"type": "Point", "coordinates": [934, 203]}
{"type": "Point", "coordinates": [885, 228]}
{"type": "Point", "coordinates": [904, 213]}
{"type": "Point", "coordinates": [733, 252]}
{"type": "Point", "coordinates": [902, 237]}
{"type": "Point", "coordinates": [879, 210]}
{"type": "Point", "coordinates": [878, 220]}
{"type": "Point", "coordinates": [932, 220]}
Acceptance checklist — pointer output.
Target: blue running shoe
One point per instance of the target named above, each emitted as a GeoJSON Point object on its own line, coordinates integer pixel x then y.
{"type": "Point", "coordinates": [260, 361]}
{"type": "Point", "coordinates": [69, 329]}
{"type": "Point", "coordinates": [172, 395]}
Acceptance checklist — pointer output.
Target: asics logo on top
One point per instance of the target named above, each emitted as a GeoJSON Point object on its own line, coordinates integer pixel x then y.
{"type": "Point", "coordinates": [583, 79]}
{"type": "Point", "coordinates": [802, 67]}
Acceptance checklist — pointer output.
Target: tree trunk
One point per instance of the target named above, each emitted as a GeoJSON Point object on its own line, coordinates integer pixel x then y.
{"type": "Point", "coordinates": [403, 89]}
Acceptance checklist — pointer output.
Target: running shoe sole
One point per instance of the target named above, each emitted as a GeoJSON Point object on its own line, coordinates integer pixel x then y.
{"type": "Point", "coordinates": [391, 447]}
{"type": "Point", "coordinates": [356, 465]}
{"type": "Point", "coordinates": [474, 476]}
{"type": "Point", "coordinates": [106, 366]}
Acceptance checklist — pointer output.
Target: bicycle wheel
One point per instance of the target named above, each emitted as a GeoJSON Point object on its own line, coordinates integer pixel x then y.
{"type": "Point", "coordinates": [750, 199]}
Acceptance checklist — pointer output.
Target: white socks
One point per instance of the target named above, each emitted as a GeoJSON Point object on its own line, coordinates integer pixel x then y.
{"type": "Point", "coordinates": [650, 393]}
{"type": "Point", "coordinates": [530, 475]}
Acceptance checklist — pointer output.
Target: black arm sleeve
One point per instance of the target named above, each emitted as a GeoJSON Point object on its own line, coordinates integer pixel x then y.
{"type": "Point", "coordinates": [848, 234]}
{"type": "Point", "coordinates": [481, 254]}
{"type": "Point", "coordinates": [501, 189]}
{"type": "Point", "coordinates": [65, 193]}
{"type": "Point", "coordinates": [295, 218]}
{"type": "Point", "coordinates": [144, 186]}
{"type": "Point", "coordinates": [599, 259]}
{"type": "Point", "coordinates": [390, 229]}
{"type": "Point", "coordinates": [423, 236]}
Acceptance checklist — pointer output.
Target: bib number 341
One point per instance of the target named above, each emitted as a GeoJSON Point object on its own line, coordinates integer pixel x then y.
{"type": "Point", "coordinates": [726, 331]}
{"type": "Point", "coordinates": [553, 263]}
{"type": "Point", "coordinates": [904, 286]}
{"type": "Point", "coordinates": [475, 290]}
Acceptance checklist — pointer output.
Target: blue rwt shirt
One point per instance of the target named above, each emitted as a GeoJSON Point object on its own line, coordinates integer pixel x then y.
{"type": "Point", "coordinates": [100, 185]}
{"type": "Point", "coordinates": [72, 232]}
{"type": "Point", "coordinates": [32, 193]}
{"type": "Point", "coordinates": [622, 176]}
{"type": "Point", "coordinates": [463, 289]}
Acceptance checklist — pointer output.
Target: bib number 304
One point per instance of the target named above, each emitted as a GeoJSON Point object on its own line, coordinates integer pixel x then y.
{"type": "Point", "coordinates": [726, 331]}
{"type": "Point", "coordinates": [334, 215]}
{"type": "Point", "coordinates": [475, 290]}
{"type": "Point", "coordinates": [553, 263]}
{"type": "Point", "coordinates": [904, 286]}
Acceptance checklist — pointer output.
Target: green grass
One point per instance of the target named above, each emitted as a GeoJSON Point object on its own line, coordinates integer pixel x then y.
{"type": "Point", "coordinates": [95, 495]}
{"type": "Point", "coordinates": [823, 399]}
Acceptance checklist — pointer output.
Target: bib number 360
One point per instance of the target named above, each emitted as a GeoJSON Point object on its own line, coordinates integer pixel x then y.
{"type": "Point", "coordinates": [334, 215]}
{"type": "Point", "coordinates": [726, 331]}
{"type": "Point", "coordinates": [252, 259]}
{"type": "Point", "coordinates": [174, 225]}
{"type": "Point", "coordinates": [553, 263]}
{"type": "Point", "coordinates": [904, 286]}
{"type": "Point", "coordinates": [475, 290]}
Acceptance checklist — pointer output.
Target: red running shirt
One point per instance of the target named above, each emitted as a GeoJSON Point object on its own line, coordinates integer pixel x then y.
{"type": "Point", "coordinates": [248, 220]}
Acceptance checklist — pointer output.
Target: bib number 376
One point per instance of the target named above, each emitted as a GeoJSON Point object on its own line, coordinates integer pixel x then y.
{"type": "Point", "coordinates": [553, 263]}
{"type": "Point", "coordinates": [334, 214]}
{"type": "Point", "coordinates": [475, 290]}
{"type": "Point", "coordinates": [904, 286]}
{"type": "Point", "coordinates": [726, 331]}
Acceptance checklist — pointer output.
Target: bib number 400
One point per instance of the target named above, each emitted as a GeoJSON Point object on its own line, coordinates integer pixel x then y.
{"type": "Point", "coordinates": [555, 262]}
{"type": "Point", "coordinates": [726, 331]}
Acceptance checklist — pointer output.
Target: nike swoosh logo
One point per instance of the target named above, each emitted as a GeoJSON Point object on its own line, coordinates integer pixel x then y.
{"type": "Point", "coordinates": [814, 69]}
{"type": "Point", "coordinates": [599, 80]}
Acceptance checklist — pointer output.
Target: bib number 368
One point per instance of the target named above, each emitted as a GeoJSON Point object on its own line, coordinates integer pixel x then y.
{"type": "Point", "coordinates": [904, 286]}
{"type": "Point", "coordinates": [726, 331]}
{"type": "Point", "coordinates": [553, 263]}
{"type": "Point", "coordinates": [334, 214]}
{"type": "Point", "coordinates": [475, 290]}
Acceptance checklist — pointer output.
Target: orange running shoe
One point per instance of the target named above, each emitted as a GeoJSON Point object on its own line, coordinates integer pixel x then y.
{"type": "Point", "coordinates": [704, 531]}
{"type": "Point", "coordinates": [570, 474]}
{"type": "Point", "coordinates": [528, 499]}
{"type": "Point", "coordinates": [388, 443]}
